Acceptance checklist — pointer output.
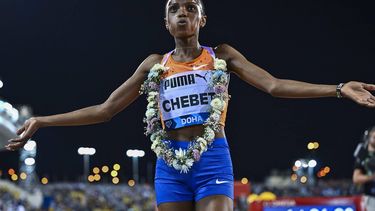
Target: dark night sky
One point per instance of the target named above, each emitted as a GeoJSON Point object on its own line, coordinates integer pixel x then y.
{"type": "Point", "coordinates": [57, 56]}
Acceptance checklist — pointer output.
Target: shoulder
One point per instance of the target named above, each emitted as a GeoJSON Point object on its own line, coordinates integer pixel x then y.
{"type": "Point", "coordinates": [225, 51]}
{"type": "Point", "coordinates": [152, 59]}
{"type": "Point", "coordinates": [148, 62]}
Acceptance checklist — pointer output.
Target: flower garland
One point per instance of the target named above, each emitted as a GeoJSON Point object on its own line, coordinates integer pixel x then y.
{"type": "Point", "coordinates": [182, 159]}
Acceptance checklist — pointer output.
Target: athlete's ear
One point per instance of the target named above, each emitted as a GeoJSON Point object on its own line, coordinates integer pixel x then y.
{"type": "Point", "coordinates": [166, 23]}
{"type": "Point", "coordinates": [203, 21]}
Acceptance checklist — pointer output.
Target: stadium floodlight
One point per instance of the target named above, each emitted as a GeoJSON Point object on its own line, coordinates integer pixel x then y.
{"type": "Point", "coordinates": [298, 163]}
{"type": "Point", "coordinates": [135, 154]}
{"type": "Point", "coordinates": [86, 152]}
{"type": "Point", "coordinates": [30, 145]}
{"type": "Point", "coordinates": [305, 165]}
{"type": "Point", "coordinates": [312, 163]}
{"type": "Point", "coordinates": [29, 161]}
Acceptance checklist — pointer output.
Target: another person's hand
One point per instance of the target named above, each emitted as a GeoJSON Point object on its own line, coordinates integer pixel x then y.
{"type": "Point", "coordinates": [359, 93]}
{"type": "Point", "coordinates": [27, 130]}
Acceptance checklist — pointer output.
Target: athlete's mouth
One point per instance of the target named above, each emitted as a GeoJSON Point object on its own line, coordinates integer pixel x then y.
{"type": "Point", "coordinates": [182, 22]}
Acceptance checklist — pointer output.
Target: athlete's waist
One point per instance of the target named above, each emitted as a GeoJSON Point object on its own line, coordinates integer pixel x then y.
{"type": "Point", "coordinates": [176, 144]}
{"type": "Point", "coordinates": [189, 133]}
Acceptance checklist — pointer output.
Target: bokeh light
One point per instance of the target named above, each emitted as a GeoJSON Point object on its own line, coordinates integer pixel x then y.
{"type": "Point", "coordinates": [116, 167]}
{"type": "Point", "coordinates": [244, 181]}
{"type": "Point", "coordinates": [105, 169]}
{"type": "Point", "coordinates": [131, 183]}
{"type": "Point", "coordinates": [114, 173]}
{"type": "Point", "coordinates": [44, 181]}
{"type": "Point", "coordinates": [23, 175]}
{"type": "Point", "coordinates": [96, 170]}
{"type": "Point", "coordinates": [115, 180]}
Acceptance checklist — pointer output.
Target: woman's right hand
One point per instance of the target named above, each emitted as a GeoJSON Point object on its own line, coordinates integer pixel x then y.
{"type": "Point", "coordinates": [27, 130]}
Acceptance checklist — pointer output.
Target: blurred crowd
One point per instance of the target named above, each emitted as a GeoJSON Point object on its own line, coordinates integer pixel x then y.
{"type": "Point", "coordinates": [108, 197]}
{"type": "Point", "coordinates": [82, 197]}
{"type": "Point", "coordinates": [9, 201]}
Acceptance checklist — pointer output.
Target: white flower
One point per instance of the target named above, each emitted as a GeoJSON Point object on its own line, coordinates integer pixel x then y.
{"type": "Point", "coordinates": [151, 99]}
{"type": "Point", "coordinates": [155, 138]}
{"type": "Point", "coordinates": [154, 144]}
{"type": "Point", "coordinates": [151, 104]}
{"type": "Point", "coordinates": [189, 162]}
{"type": "Point", "coordinates": [203, 147]}
{"type": "Point", "coordinates": [202, 140]}
{"type": "Point", "coordinates": [186, 166]}
{"type": "Point", "coordinates": [176, 165]}
{"type": "Point", "coordinates": [158, 151]}
{"type": "Point", "coordinates": [158, 67]}
{"type": "Point", "coordinates": [224, 78]}
{"type": "Point", "coordinates": [150, 113]}
{"type": "Point", "coordinates": [153, 93]}
{"type": "Point", "coordinates": [202, 143]}
{"type": "Point", "coordinates": [152, 74]}
{"type": "Point", "coordinates": [180, 154]}
{"type": "Point", "coordinates": [220, 64]}
{"type": "Point", "coordinates": [215, 116]}
{"type": "Point", "coordinates": [184, 169]}
{"type": "Point", "coordinates": [217, 104]}
{"type": "Point", "coordinates": [210, 134]}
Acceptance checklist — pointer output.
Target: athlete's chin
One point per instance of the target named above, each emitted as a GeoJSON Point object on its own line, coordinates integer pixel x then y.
{"type": "Point", "coordinates": [183, 34]}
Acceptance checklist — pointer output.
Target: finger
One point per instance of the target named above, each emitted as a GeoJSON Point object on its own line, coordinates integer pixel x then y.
{"type": "Point", "coordinates": [15, 146]}
{"type": "Point", "coordinates": [370, 87]}
{"type": "Point", "coordinates": [369, 104]}
{"type": "Point", "coordinates": [363, 102]}
{"type": "Point", "coordinates": [19, 131]}
{"type": "Point", "coordinates": [16, 140]}
{"type": "Point", "coordinates": [8, 148]}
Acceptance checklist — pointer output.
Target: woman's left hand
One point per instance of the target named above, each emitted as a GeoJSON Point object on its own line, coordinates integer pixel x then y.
{"type": "Point", "coordinates": [359, 93]}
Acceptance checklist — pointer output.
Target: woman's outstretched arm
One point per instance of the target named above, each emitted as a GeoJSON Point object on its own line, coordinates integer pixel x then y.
{"type": "Point", "coordinates": [116, 102]}
{"type": "Point", "coordinates": [256, 76]}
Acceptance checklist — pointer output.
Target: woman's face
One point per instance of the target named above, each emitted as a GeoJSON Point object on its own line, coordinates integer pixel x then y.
{"type": "Point", "coordinates": [184, 18]}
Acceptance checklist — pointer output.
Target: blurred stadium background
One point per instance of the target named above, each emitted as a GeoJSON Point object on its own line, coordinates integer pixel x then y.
{"type": "Point", "coordinates": [302, 187]}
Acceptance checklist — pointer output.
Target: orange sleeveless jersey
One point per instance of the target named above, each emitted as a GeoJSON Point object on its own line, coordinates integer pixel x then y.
{"type": "Point", "coordinates": [203, 62]}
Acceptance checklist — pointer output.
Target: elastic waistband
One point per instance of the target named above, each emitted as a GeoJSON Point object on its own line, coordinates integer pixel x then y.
{"type": "Point", "coordinates": [185, 144]}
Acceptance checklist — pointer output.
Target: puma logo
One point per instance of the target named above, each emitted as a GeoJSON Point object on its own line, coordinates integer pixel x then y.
{"type": "Point", "coordinates": [203, 77]}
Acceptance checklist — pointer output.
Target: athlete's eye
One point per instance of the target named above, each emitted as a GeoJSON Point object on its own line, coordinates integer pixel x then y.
{"type": "Point", "coordinates": [191, 8]}
{"type": "Point", "coordinates": [173, 8]}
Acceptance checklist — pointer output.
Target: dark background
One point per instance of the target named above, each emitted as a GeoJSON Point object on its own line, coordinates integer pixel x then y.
{"type": "Point", "coordinates": [57, 56]}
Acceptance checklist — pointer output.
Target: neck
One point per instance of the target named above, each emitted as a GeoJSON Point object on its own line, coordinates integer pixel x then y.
{"type": "Point", "coordinates": [187, 46]}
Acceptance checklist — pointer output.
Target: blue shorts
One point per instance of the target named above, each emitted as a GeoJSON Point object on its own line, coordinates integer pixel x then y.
{"type": "Point", "coordinates": [211, 175]}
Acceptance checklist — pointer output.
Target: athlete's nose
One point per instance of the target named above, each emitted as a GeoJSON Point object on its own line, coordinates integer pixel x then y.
{"type": "Point", "coordinates": [182, 12]}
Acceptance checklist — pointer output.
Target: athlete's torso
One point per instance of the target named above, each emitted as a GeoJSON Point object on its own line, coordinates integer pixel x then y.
{"type": "Point", "coordinates": [185, 96]}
